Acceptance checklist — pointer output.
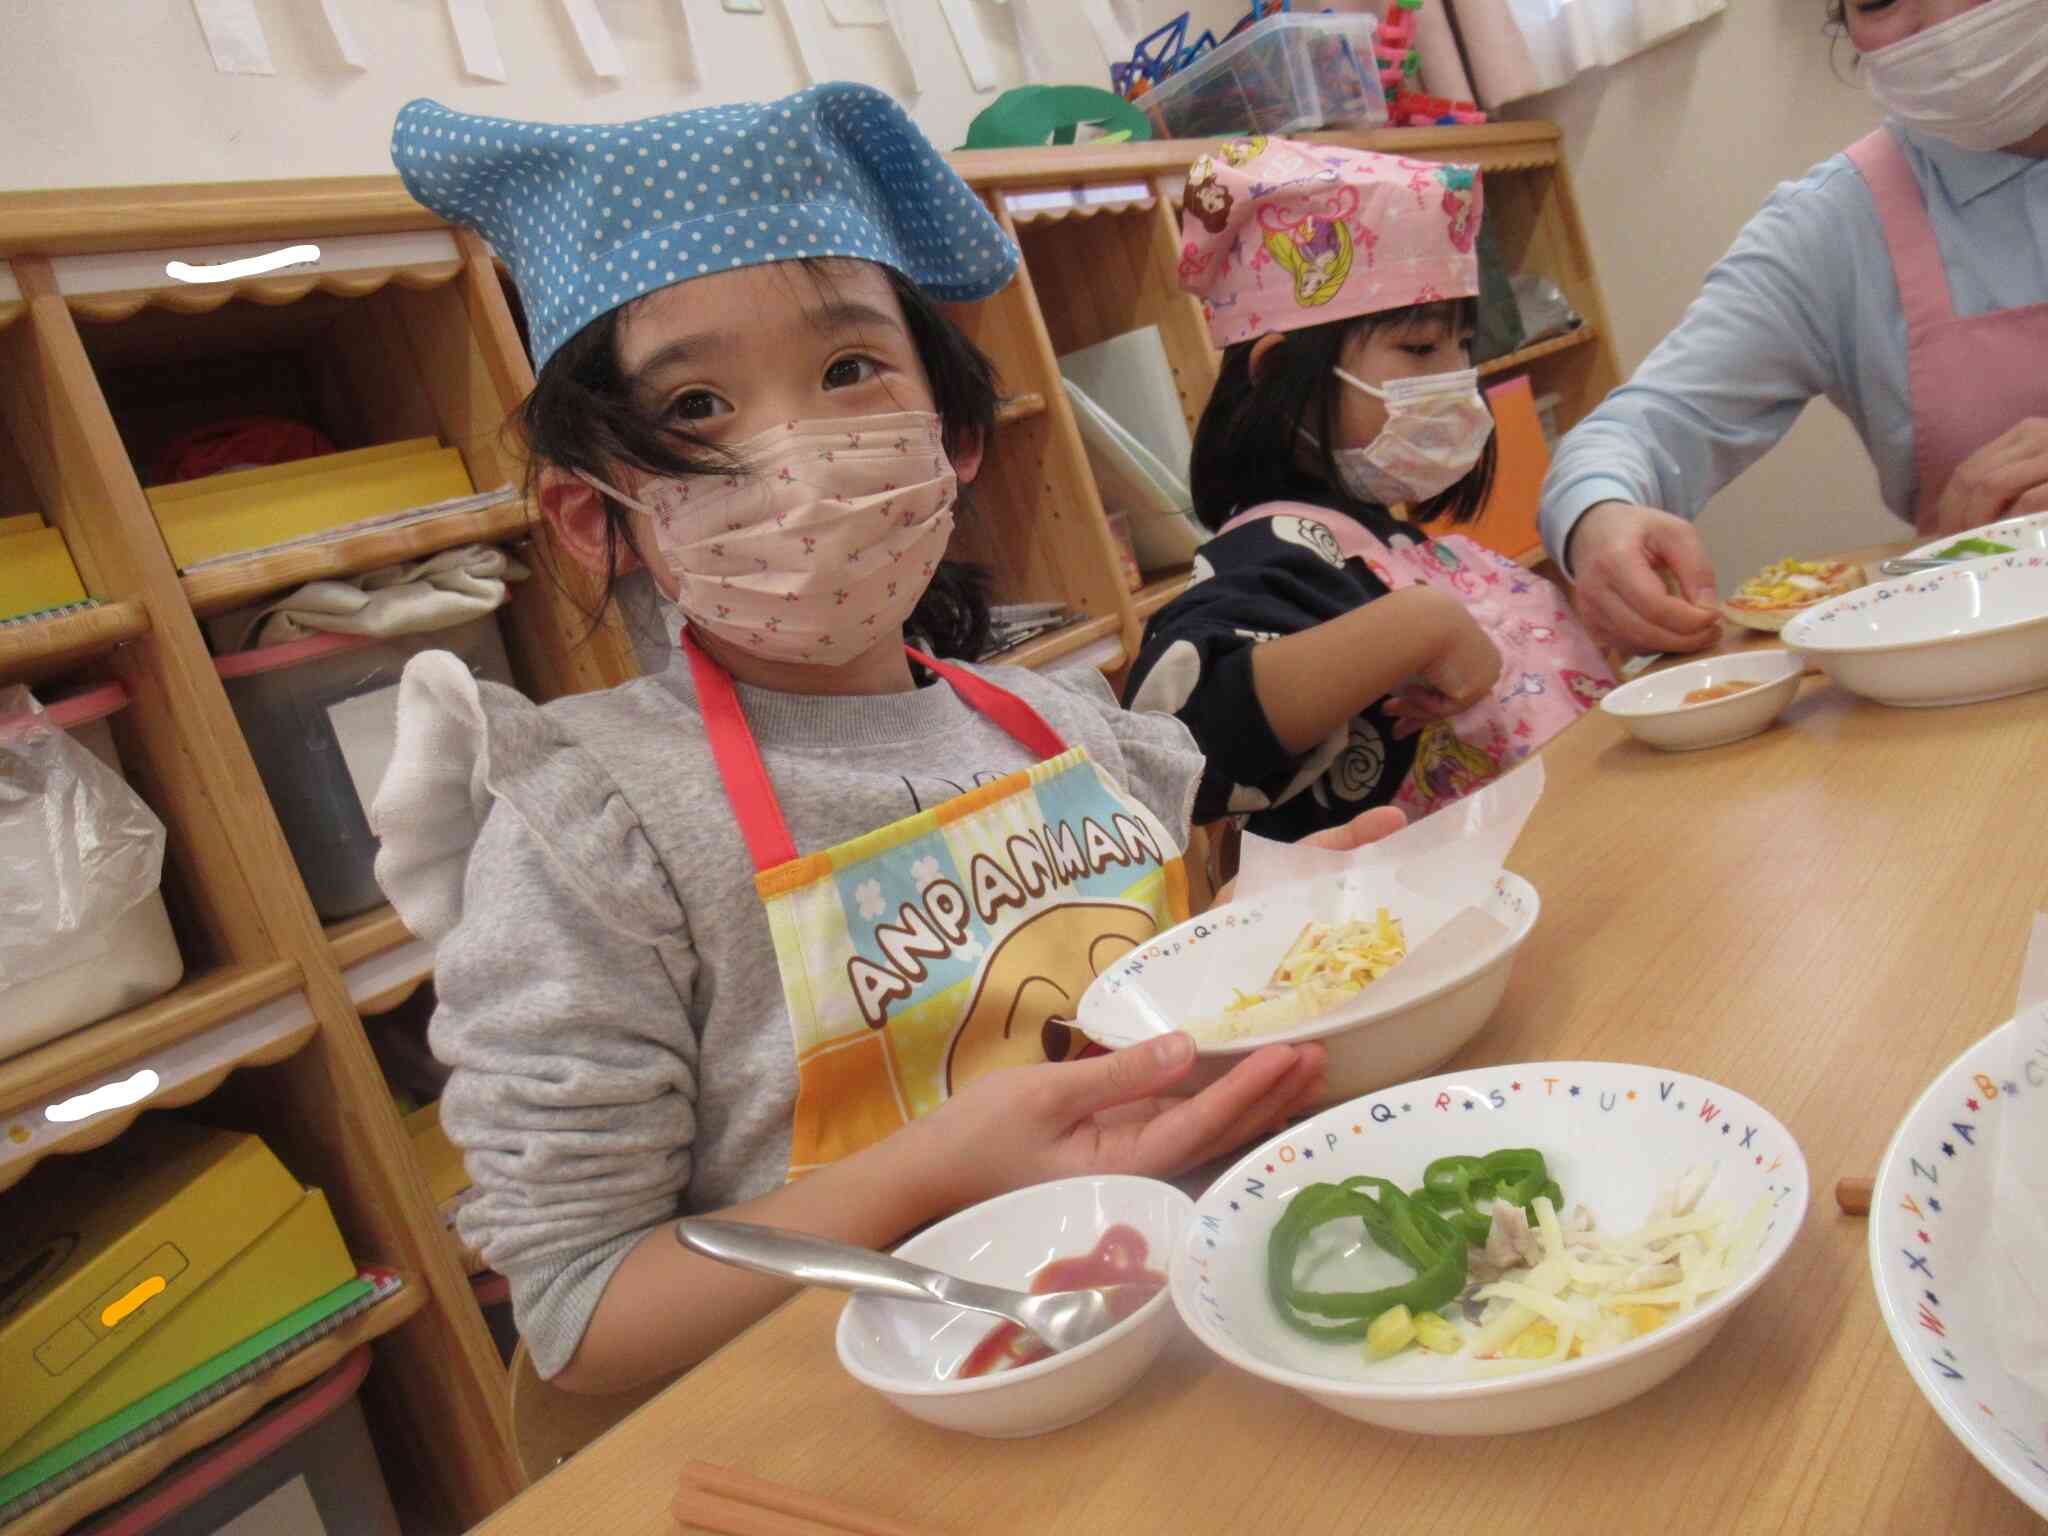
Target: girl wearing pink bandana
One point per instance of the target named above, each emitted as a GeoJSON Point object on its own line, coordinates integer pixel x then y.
{"type": "Point", "coordinates": [1330, 656]}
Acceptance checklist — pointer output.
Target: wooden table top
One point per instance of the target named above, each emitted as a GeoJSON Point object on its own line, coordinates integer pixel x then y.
{"type": "Point", "coordinates": [1821, 917]}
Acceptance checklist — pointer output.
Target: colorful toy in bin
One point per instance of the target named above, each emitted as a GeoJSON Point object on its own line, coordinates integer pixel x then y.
{"type": "Point", "coordinates": [1400, 65]}
{"type": "Point", "coordinates": [1166, 51]}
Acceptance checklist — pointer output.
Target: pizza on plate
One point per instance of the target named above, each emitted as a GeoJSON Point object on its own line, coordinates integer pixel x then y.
{"type": "Point", "coordinates": [1788, 587]}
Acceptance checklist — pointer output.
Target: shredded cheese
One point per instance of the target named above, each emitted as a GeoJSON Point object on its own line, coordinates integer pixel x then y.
{"type": "Point", "coordinates": [1328, 964]}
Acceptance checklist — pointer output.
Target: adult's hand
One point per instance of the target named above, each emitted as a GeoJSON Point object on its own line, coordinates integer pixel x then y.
{"type": "Point", "coordinates": [2007, 476]}
{"type": "Point", "coordinates": [1619, 555]}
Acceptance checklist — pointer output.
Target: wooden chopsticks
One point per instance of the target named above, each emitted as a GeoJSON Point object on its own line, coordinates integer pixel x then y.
{"type": "Point", "coordinates": [712, 1498]}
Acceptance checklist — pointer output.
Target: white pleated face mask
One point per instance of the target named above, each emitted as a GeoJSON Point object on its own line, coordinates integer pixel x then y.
{"type": "Point", "coordinates": [1978, 80]}
{"type": "Point", "coordinates": [1437, 427]}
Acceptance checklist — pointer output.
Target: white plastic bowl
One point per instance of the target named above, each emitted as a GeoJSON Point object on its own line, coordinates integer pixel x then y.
{"type": "Point", "coordinates": [1653, 709]}
{"type": "Point", "coordinates": [1972, 632]}
{"type": "Point", "coordinates": [2022, 533]}
{"type": "Point", "coordinates": [911, 1352]}
{"type": "Point", "coordinates": [1613, 1135]}
{"type": "Point", "coordinates": [1936, 1205]}
{"type": "Point", "coordinates": [1177, 978]}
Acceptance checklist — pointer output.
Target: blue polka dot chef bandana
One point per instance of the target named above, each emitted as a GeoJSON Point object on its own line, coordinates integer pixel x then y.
{"type": "Point", "coordinates": [592, 215]}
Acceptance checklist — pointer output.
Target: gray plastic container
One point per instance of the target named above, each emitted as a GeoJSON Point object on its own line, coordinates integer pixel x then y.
{"type": "Point", "coordinates": [320, 716]}
{"type": "Point", "coordinates": [304, 1465]}
{"type": "Point", "coordinates": [1286, 74]}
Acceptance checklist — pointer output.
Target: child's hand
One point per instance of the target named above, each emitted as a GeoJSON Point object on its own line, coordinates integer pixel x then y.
{"type": "Point", "coordinates": [1464, 669]}
{"type": "Point", "coordinates": [1110, 1114]}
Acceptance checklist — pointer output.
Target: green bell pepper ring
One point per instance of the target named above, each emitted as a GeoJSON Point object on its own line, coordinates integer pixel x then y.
{"type": "Point", "coordinates": [1463, 1189]}
{"type": "Point", "coordinates": [1408, 1229]}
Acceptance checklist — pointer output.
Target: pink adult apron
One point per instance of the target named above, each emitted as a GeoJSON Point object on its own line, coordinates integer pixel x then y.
{"type": "Point", "coordinates": [951, 943]}
{"type": "Point", "coordinates": [1970, 380]}
{"type": "Point", "coordinates": [1551, 671]}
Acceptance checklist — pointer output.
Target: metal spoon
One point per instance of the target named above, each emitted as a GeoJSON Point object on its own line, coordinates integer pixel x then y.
{"type": "Point", "coordinates": [1909, 566]}
{"type": "Point", "coordinates": [1062, 1319]}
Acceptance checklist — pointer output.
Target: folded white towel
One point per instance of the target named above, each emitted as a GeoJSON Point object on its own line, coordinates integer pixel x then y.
{"type": "Point", "coordinates": [430, 594]}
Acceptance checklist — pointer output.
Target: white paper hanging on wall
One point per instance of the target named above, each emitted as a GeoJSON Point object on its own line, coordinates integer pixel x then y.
{"type": "Point", "coordinates": [1116, 44]}
{"type": "Point", "coordinates": [234, 37]}
{"type": "Point", "coordinates": [809, 52]}
{"type": "Point", "coordinates": [1032, 55]}
{"type": "Point", "coordinates": [973, 46]}
{"type": "Point", "coordinates": [692, 65]}
{"type": "Point", "coordinates": [600, 49]}
{"type": "Point", "coordinates": [346, 43]}
{"type": "Point", "coordinates": [476, 37]}
{"type": "Point", "coordinates": [899, 29]}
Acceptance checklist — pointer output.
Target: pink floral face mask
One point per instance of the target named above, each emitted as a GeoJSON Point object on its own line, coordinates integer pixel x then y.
{"type": "Point", "coordinates": [822, 547]}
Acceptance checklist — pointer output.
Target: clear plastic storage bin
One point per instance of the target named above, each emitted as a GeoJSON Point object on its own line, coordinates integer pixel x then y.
{"type": "Point", "coordinates": [123, 966]}
{"type": "Point", "coordinates": [304, 1465]}
{"type": "Point", "coordinates": [321, 716]}
{"type": "Point", "coordinates": [1286, 74]}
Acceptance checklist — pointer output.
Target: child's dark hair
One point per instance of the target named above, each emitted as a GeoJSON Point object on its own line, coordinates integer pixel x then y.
{"type": "Point", "coordinates": [1250, 443]}
{"type": "Point", "coordinates": [582, 416]}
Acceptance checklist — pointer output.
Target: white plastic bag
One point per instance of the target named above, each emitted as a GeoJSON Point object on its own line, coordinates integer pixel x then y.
{"type": "Point", "coordinates": [78, 847]}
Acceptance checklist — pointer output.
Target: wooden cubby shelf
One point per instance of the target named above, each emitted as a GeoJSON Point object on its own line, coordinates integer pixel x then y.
{"type": "Point", "coordinates": [1019, 407]}
{"type": "Point", "coordinates": [219, 588]}
{"type": "Point", "coordinates": [1160, 588]}
{"type": "Point", "coordinates": [1582, 336]}
{"type": "Point", "coordinates": [405, 331]}
{"type": "Point", "coordinates": [36, 647]}
{"type": "Point", "coordinates": [380, 960]}
{"type": "Point", "coordinates": [141, 1466]}
{"type": "Point", "coordinates": [187, 1042]}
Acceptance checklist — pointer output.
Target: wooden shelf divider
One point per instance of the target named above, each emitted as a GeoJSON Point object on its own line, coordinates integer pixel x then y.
{"type": "Point", "coordinates": [35, 647]}
{"type": "Point", "coordinates": [222, 587]}
{"type": "Point", "coordinates": [1542, 349]}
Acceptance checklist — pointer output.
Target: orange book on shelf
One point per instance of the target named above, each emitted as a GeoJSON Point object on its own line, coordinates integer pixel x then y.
{"type": "Point", "coordinates": [1507, 523]}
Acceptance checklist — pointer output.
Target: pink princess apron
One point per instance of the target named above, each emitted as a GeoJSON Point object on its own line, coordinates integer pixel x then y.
{"type": "Point", "coordinates": [950, 943]}
{"type": "Point", "coordinates": [1551, 671]}
{"type": "Point", "coordinates": [1970, 379]}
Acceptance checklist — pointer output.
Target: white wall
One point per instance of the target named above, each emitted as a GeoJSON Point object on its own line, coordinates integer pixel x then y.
{"type": "Point", "coordinates": [112, 92]}
{"type": "Point", "coordinates": [1671, 153]}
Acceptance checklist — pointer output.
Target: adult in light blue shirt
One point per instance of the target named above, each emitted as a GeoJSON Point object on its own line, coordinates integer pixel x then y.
{"type": "Point", "coordinates": [1814, 299]}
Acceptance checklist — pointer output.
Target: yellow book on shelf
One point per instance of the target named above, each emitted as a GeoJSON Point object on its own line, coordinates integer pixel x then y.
{"type": "Point", "coordinates": [299, 1259]}
{"type": "Point", "coordinates": [104, 1247]}
{"type": "Point", "coordinates": [22, 522]}
{"type": "Point", "coordinates": [252, 517]}
{"type": "Point", "coordinates": [271, 474]}
{"type": "Point", "coordinates": [36, 572]}
{"type": "Point", "coordinates": [439, 1158]}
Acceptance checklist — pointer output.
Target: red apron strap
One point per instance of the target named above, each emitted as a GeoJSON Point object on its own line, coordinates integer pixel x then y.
{"type": "Point", "coordinates": [1003, 708]}
{"type": "Point", "coordinates": [1908, 231]}
{"type": "Point", "coordinates": [754, 804]}
{"type": "Point", "coordinates": [747, 788]}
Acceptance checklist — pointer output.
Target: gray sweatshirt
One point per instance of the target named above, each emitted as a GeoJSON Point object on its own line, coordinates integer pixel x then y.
{"type": "Point", "coordinates": [609, 996]}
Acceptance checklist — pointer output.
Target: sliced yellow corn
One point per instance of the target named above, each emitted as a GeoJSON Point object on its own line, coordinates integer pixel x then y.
{"type": "Point", "coordinates": [1436, 1335]}
{"type": "Point", "coordinates": [1390, 1333]}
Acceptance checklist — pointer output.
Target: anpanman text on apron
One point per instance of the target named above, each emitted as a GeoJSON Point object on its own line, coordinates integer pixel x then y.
{"type": "Point", "coordinates": [953, 942]}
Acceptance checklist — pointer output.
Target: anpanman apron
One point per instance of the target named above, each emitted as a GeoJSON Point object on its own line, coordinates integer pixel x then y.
{"type": "Point", "coordinates": [1551, 671]}
{"type": "Point", "coordinates": [1970, 379]}
{"type": "Point", "coordinates": [952, 942]}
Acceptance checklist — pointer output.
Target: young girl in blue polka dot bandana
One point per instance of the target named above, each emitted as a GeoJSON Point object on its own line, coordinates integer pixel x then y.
{"type": "Point", "coordinates": [794, 931]}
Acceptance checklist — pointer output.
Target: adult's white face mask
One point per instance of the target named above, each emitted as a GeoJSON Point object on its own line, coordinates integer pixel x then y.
{"type": "Point", "coordinates": [1978, 80]}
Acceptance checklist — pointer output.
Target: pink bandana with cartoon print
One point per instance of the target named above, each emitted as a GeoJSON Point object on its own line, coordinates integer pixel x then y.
{"type": "Point", "coordinates": [1277, 235]}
